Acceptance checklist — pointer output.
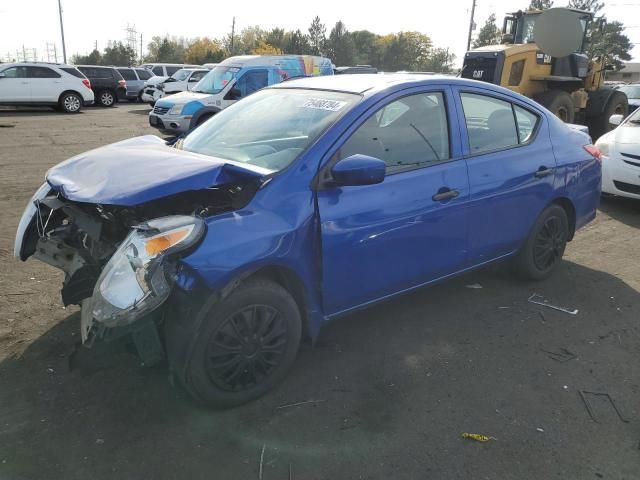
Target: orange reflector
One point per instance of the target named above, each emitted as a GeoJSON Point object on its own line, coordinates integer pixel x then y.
{"type": "Point", "coordinates": [163, 242]}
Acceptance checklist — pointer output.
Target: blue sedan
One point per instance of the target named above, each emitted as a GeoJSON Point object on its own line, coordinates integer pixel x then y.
{"type": "Point", "coordinates": [299, 204]}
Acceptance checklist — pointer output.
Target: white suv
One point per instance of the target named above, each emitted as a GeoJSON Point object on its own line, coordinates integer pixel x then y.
{"type": "Point", "coordinates": [54, 84]}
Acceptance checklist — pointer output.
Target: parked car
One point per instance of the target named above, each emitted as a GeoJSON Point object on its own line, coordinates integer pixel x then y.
{"type": "Point", "coordinates": [135, 78]}
{"type": "Point", "coordinates": [621, 156]}
{"type": "Point", "coordinates": [107, 83]}
{"type": "Point", "coordinates": [354, 69]}
{"type": "Point", "coordinates": [181, 81]}
{"type": "Point", "coordinates": [166, 69]}
{"type": "Point", "coordinates": [299, 204]}
{"type": "Point", "coordinates": [44, 84]}
{"type": "Point", "coordinates": [210, 66]}
{"type": "Point", "coordinates": [231, 80]}
{"type": "Point", "coordinates": [632, 91]}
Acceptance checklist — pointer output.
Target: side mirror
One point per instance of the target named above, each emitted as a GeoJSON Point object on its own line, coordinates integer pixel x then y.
{"type": "Point", "coordinates": [616, 119]}
{"type": "Point", "coordinates": [358, 170]}
{"type": "Point", "coordinates": [193, 79]}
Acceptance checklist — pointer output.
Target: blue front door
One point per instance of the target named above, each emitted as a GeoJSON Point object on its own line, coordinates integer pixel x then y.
{"type": "Point", "coordinates": [512, 171]}
{"type": "Point", "coordinates": [412, 228]}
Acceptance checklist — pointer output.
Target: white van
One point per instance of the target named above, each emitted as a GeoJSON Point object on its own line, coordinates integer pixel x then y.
{"type": "Point", "coordinates": [228, 82]}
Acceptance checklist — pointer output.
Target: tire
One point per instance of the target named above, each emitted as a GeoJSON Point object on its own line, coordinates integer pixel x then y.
{"type": "Point", "coordinates": [559, 103]}
{"type": "Point", "coordinates": [243, 363]}
{"type": "Point", "coordinates": [70, 103]}
{"type": "Point", "coordinates": [203, 119]}
{"type": "Point", "coordinates": [545, 245]}
{"type": "Point", "coordinates": [616, 104]}
{"type": "Point", "coordinates": [106, 98]}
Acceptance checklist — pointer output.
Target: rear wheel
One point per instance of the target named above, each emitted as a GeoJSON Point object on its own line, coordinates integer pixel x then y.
{"type": "Point", "coordinates": [559, 103]}
{"type": "Point", "coordinates": [544, 248]}
{"type": "Point", "coordinates": [106, 98]}
{"type": "Point", "coordinates": [245, 345]}
{"type": "Point", "coordinates": [616, 104]}
{"type": "Point", "coordinates": [70, 103]}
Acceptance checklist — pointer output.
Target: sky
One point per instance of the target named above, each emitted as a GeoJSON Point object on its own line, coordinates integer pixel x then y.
{"type": "Point", "coordinates": [34, 23]}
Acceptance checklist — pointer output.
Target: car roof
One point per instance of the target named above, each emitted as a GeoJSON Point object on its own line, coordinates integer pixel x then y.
{"type": "Point", "coordinates": [361, 83]}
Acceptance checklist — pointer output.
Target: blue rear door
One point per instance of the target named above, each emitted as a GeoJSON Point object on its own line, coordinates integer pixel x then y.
{"type": "Point", "coordinates": [512, 170]}
{"type": "Point", "coordinates": [412, 228]}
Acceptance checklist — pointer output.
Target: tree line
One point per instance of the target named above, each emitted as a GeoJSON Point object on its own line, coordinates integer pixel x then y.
{"type": "Point", "coordinates": [412, 51]}
{"type": "Point", "coordinates": [606, 39]}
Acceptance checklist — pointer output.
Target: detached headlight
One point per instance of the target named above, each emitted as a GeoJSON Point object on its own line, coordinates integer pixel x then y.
{"type": "Point", "coordinates": [138, 278]}
{"type": "Point", "coordinates": [176, 110]}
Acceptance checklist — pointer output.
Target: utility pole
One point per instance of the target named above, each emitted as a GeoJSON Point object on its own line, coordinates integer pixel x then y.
{"type": "Point", "coordinates": [141, 60]}
{"type": "Point", "coordinates": [64, 48]}
{"type": "Point", "coordinates": [24, 53]}
{"type": "Point", "coordinates": [471, 24]}
{"type": "Point", "coordinates": [95, 45]}
{"type": "Point", "coordinates": [233, 31]}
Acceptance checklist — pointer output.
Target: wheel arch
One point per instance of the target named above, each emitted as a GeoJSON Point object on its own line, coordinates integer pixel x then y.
{"type": "Point", "coordinates": [75, 92]}
{"type": "Point", "coordinates": [206, 112]}
{"type": "Point", "coordinates": [570, 209]}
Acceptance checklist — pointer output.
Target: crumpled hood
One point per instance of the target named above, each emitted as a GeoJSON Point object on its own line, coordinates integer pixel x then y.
{"type": "Point", "coordinates": [142, 169]}
{"type": "Point", "coordinates": [180, 98]}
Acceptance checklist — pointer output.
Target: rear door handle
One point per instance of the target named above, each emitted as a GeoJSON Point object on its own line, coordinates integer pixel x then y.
{"type": "Point", "coordinates": [543, 172]}
{"type": "Point", "coordinates": [445, 194]}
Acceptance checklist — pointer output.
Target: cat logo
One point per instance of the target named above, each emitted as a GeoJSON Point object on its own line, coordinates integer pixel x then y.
{"type": "Point", "coordinates": [478, 74]}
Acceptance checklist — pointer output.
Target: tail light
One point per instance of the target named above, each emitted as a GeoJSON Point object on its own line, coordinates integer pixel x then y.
{"type": "Point", "coordinates": [122, 83]}
{"type": "Point", "coordinates": [86, 82]}
{"type": "Point", "coordinates": [594, 152]}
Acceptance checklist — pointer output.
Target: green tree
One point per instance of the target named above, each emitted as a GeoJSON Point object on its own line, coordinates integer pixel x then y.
{"type": "Point", "coordinates": [610, 44]}
{"type": "Point", "coordinates": [264, 48]}
{"type": "Point", "coordinates": [317, 36]}
{"type": "Point", "coordinates": [438, 61]}
{"type": "Point", "coordinates": [204, 50]}
{"type": "Point", "coordinates": [489, 34]}
{"type": "Point", "coordinates": [540, 4]}
{"type": "Point", "coordinates": [166, 50]}
{"type": "Point", "coordinates": [404, 51]}
{"type": "Point", "coordinates": [366, 50]}
{"type": "Point", "coordinates": [277, 38]}
{"type": "Point", "coordinates": [94, 58]}
{"type": "Point", "coordinates": [119, 54]}
{"type": "Point", "coordinates": [298, 43]}
{"type": "Point", "coordinates": [340, 46]}
{"type": "Point", "coordinates": [593, 6]}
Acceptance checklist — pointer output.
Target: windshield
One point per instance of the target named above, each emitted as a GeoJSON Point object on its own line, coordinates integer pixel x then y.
{"type": "Point", "coordinates": [270, 128]}
{"type": "Point", "coordinates": [631, 91]}
{"type": "Point", "coordinates": [215, 81]}
{"type": "Point", "coordinates": [180, 75]}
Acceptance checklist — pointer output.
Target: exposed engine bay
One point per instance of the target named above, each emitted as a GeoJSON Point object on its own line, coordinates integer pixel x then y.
{"type": "Point", "coordinates": [80, 238]}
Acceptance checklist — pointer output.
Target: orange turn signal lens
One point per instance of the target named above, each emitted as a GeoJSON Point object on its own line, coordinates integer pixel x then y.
{"type": "Point", "coordinates": [165, 241]}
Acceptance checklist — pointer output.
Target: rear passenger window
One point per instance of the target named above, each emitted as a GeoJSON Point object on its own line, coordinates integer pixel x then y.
{"type": "Point", "coordinates": [143, 74]}
{"type": "Point", "coordinates": [42, 72]}
{"type": "Point", "coordinates": [490, 123]}
{"type": "Point", "coordinates": [410, 132]}
{"type": "Point", "coordinates": [158, 71]}
{"type": "Point", "coordinates": [527, 122]}
{"type": "Point", "coordinates": [127, 74]}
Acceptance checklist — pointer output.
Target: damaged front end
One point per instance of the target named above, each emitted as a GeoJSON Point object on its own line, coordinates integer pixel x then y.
{"type": "Point", "coordinates": [121, 262]}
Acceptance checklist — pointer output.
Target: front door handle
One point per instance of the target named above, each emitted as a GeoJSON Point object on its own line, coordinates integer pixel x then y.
{"type": "Point", "coordinates": [543, 172]}
{"type": "Point", "coordinates": [445, 194]}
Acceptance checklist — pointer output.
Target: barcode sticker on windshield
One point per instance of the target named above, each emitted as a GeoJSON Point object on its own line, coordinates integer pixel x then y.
{"type": "Point", "coordinates": [322, 104]}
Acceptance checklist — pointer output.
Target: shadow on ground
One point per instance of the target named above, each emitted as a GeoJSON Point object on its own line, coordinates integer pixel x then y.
{"type": "Point", "coordinates": [140, 111]}
{"type": "Point", "coordinates": [395, 386]}
{"type": "Point", "coordinates": [625, 210]}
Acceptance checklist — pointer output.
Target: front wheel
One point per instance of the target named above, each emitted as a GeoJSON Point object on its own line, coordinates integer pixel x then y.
{"type": "Point", "coordinates": [544, 248]}
{"type": "Point", "coordinates": [244, 346]}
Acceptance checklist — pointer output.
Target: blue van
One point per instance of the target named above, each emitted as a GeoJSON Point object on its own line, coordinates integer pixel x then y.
{"type": "Point", "coordinates": [228, 82]}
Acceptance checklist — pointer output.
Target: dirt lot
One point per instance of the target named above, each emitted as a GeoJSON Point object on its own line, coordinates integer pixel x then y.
{"type": "Point", "coordinates": [394, 386]}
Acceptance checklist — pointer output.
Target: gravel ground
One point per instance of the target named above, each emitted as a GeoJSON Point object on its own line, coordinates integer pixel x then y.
{"type": "Point", "coordinates": [390, 389]}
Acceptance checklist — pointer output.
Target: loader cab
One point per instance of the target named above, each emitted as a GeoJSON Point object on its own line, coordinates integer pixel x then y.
{"type": "Point", "coordinates": [518, 27]}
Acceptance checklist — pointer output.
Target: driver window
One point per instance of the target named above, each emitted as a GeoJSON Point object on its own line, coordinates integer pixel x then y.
{"type": "Point", "coordinates": [252, 81]}
{"type": "Point", "coordinates": [410, 132]}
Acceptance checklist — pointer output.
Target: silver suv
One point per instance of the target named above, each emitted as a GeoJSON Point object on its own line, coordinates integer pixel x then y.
{"type": "Point", "coordinates": [58, 85]}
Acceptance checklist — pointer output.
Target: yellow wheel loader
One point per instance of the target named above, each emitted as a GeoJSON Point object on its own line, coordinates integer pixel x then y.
{"type": "Point", "coordinates": [542, 56]}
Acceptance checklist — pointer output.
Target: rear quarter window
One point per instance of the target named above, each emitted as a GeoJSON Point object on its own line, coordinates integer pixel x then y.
{"type": "Point", "coordinates": [73, 71]}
